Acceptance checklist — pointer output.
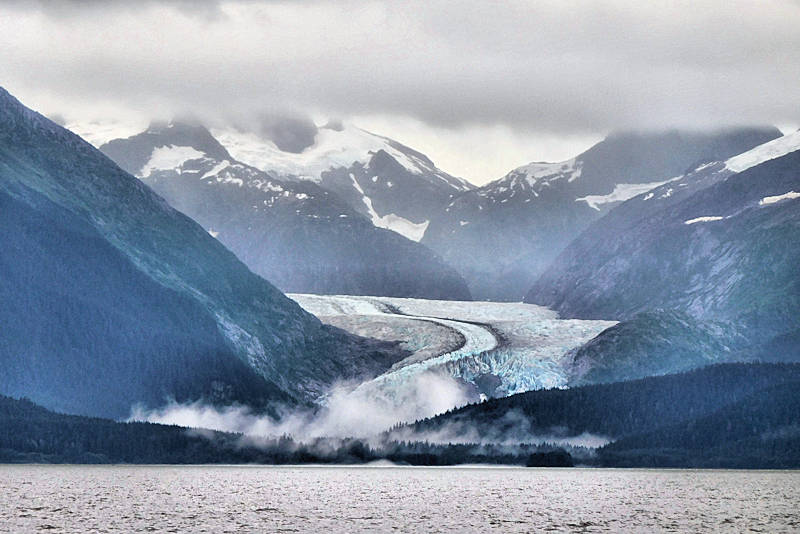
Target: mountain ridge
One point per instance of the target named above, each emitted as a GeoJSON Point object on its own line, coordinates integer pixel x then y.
{"type": "Point", "coordinates": [503, 235]}
{"type": "Point", "coordinates": [707, 207]}
{"type": "Point", "coordinates": [395, 186]}
{"type": "Point", "coordinates": [294, 233]}
{"type": "Point", "coordinates": [718, 247]}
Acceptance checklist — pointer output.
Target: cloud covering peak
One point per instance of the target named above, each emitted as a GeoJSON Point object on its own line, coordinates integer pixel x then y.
{"type": "Point", "coordinates": [559, 68]}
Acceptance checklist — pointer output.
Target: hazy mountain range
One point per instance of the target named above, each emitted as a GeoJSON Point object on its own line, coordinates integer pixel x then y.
{"type": "Point", "coordinates": [298, 235]}
{"type": "Point", "coordinates": [499, 237]}
{"type": "Point", "coordinates": [503, 235]}
{"type": "Point", "coordinates": [719, 245]}
{"type": "Point", "coordinates": [393, 185]}
{"type": "Point", "coordinates": [143, 274]}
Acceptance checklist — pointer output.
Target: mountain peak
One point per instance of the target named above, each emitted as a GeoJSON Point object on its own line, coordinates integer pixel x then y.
{"type": "Point", "coordinates": [543, 173]}
{"type": "Point", "coordinates": [336, 146]}
{"type": "Point", "coordinates": [187, 133]}
{"type": "Point", "coordinates": [534, 211]}
{"type": "Point", "coordinates": [186, 139]}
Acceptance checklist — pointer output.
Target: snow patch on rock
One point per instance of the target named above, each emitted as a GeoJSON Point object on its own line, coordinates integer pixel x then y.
{"type": "Point", "coordinates": [772, 200]}
{"type": "Point", "coordinates": [390, 221]}
{"type": "Point", "coordinates": [703, 219]}
{"type": "Point", "coordinates": [621, 193]}
{"type": "Point", "coordinates": [218, 168]}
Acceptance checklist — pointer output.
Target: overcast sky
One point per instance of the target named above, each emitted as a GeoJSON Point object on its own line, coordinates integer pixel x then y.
{"type": "Point", "coordinates": [479, 86]}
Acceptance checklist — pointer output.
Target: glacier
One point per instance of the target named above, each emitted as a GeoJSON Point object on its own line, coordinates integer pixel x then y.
{"type": "Point", "coordinates": [503, 349]}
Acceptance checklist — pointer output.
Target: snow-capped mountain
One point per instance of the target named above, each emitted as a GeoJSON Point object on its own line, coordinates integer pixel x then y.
{"type": "Point", "coordinates": [503, 235]}
{"type": "Point", "coordinates": [113, 298]}
{"type": "Point", "coordinates": [396, 187]}
{"type": "Point", "coordinates": [296, 234]}
{"type": "Point", "coordinates": [719, 243]}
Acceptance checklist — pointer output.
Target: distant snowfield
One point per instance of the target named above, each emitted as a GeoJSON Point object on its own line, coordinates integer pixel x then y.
{"type": "Point", "coordinates": [100, 132]}
{"type": "Point", "coordinates": [491, 349]}
{"type": "Point", "coordinates": [332, 148]}
{"type": "Point", "coordinates": [621, 193]}
{"type": "Point", "coordinates": [773, 149]}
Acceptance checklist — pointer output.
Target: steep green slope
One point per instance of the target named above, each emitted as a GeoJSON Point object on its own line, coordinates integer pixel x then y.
{"type": "Point", "coordinates": [85, 331]}
{"type": "Point", "coordinates": [114, 298]}
{"type": "Point", "coordinates": [654, 343]}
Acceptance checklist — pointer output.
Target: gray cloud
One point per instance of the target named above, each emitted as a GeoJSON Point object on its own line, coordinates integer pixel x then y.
{"type": "Point", "coordinates": [69, 8]}
{"type": "Point", "coordinates": [558, 67]}
{"type": "Point", "coordinates": [290, 133]}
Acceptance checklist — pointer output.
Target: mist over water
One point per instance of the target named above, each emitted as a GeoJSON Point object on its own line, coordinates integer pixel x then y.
{"type": "Point", "coordinates": [371, 415]}
{"type": "Point", "coordinates": [347, 411]}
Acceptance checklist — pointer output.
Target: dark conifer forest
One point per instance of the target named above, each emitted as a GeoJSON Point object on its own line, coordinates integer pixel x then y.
{"type": "Point", "coordinates": [731, 415]}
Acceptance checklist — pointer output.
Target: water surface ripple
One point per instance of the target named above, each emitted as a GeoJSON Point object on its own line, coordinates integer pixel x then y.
{"type": "Point", "coordinates": [387, 499]}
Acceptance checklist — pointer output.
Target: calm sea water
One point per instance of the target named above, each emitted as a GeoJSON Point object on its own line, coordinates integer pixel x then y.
{"type": "Point", "coordinates": [380, 499]}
